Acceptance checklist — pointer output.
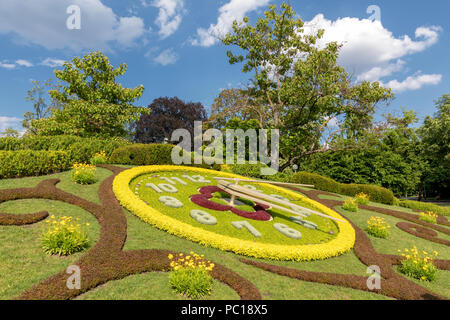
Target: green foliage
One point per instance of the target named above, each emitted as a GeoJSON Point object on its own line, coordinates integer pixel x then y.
{"type": "Point", "coordinates": [362, 198]}
{"type": "Point", "coordinates": [94, 104]}
{"type": "Point", "coordinates": [78, 149]}
{"type": "Point", "coordinates": [435, 134]}
{"type": "Point", "coordinates": [10, 133]}
{"type": "Point", "coordinates": [32, 163]}
{"type": "Point", "coordinates": [418, 265]}
{"type": "Point", "coordinates": [83, 173]}
{"type": "Point", "coordinates": [350, 205]}
{"type": "Point", "coordinates": [99, 158]}
{"type": "Point", "coordinates": [63, 237]}
{"type": "Point", "coordinates": [143, 154]}
{"type": "Point", "coordinates": [319, 182]}
{"type": "Point", "coordinates": [194, 283]}
{"type": "Point", "coordinates": [429, 217]}
{"type": "Point", "coordinates": [376, 193]}
{"type": "Point", "coordinates": [425, 206]}
{"type": "Point", "coordinates": [378, 227]}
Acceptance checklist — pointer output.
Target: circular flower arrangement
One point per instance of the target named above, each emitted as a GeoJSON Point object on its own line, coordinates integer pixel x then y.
{"type": "Point", "coordinates": [187, 202]}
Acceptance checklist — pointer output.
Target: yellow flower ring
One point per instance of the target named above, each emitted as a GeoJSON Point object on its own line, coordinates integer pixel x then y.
{"type": "Point", "coordinates": [343, 242]}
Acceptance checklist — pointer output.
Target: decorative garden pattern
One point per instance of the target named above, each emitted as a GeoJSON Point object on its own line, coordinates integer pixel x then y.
{"type": "Point", "coordinates": [186, 202]}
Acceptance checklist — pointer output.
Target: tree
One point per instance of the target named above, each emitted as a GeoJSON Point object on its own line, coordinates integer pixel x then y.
{"type": "Point", "coordinates": [10, 132]}
{"type": "Point", "coordinates": [390, 157]}
{"type": "Point", "coordinates": [167, 115]}
{"type": "Point", "coordinates": [234, 103]}
{"type": "Point", "coordinates": [41, 108]}
{"type": "Point", "coordinates": [302, 89]}
{"type": "Point", "coordinates": [94, 104]}
{"type": "Point", "coordinates": [435, 134]}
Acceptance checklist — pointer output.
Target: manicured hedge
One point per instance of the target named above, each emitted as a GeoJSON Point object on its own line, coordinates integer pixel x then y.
{"type": "Point", "coordinates": [319, 182]}
{"type": "Point", "coordinates": [425, 206]}
{"type": "Point", "coordinates": [376, 193]}
{"type": "Point", "coordinates": [32, 163]}
{"type": "Point", "coordinates": [142, 154]}
{"type": "Point", "coordinates": [78, 149]}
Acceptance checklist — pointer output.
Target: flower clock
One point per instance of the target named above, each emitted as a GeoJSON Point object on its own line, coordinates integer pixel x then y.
{"type": "Point", "coordinates": [227, 212]}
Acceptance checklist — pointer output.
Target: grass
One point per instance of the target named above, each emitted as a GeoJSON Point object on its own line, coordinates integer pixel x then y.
{"type": "Point", "coordinates": [23, 264]}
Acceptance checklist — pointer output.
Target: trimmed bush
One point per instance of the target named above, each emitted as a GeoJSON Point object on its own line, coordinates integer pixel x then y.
{"type": "Point", "coordinates": [319, 182]}
{"type": "Point", "coordinates": [24, 163]}
{"type": "Point", "coordinates": [425, 206]}
{"type": "Point", "coordinates": [350, 204]}
{"type": "Point", "coordinates": [143, 154]}
{"type": "Point", "coordinates": [375, 193]}
{"type": "Point", "coordinates": [78, 149]}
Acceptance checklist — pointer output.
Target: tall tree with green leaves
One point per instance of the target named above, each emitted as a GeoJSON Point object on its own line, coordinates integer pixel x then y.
{"type": "Point", "coordinates": [435, 134]}
{"type": "Point", "coordinates": [94, 103]}
{"type": "Point", "coordinates": [300, 86]}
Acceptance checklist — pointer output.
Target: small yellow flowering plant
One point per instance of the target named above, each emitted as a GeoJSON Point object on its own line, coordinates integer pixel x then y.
{"type": "Point", "coordinates": [63, 236]}
{"type": "Point", "coordinates": [418, 264]}
{"type": "Point", "coordinates": [362, 198]}
{"type": "Point", "coordinates": [190, 274]}
{"type": "Point", "coordinates": [429, 217]}
{"type": "Point", "coordinates": [350, 205]}
{"type": "Point", "coordinates": [83, 173]}
{"type": "Point", "coordinates": [99, 158]}
{"type": "Point", "coordinates": [378, 227]}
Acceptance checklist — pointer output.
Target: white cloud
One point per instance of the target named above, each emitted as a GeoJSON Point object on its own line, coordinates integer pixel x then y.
{"type": "Point", "coordinates": [372, 52]}
{"type": "Point", "coordinates": [169, 17]}
{"type": "Point", "coordinates": [233, 10]}
{"type": "Point", "coordinates": [52, 63]}
{"type": "Point", "coordinates": [6, 65]}
{"type": "Point", "coordinates": [10, 122]}
{"type": "Point", "coordinates": [414, 82]}
{"type": "Point", "coordinates": [166, 57]}
{"type": "Point", "coordinates": [24, 63]}
{"type": "Point", "coordinates": [43, 23]}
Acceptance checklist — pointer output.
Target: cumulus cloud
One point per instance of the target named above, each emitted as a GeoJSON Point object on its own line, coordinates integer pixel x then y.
{"type": "Point", "coordinates": [24, 63]}
{"type": "Point", "coordinates": [6, 65]}
{"type": "Point", "coordinates": [372, 52]}
{"type": "Point", "coordinates": [10, 122]}
{"type": "Point", "coordinates": [166, 57]}
{"type": "Point", "coordinates": [169, 17]}
{"type": "Point", "coordinates": [414, 82]}
{"type": "Point", "coordinates": [43, 23]}
{"type": "Point", "coordinates": [52, 63]}
{"type": "Point", "coordinates": [233, 10]}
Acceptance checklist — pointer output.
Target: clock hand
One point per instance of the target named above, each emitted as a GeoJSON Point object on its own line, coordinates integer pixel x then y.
{"type": "Point", "coordinates": [256, 196]}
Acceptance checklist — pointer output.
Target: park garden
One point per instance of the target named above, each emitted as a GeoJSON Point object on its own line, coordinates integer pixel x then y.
{"type": "Point", "coordinates": [92, 205]}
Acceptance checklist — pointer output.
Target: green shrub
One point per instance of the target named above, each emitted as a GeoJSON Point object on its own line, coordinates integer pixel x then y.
{"type": "Point", "coordinates": [25, 163]}
{"type": "Point", "coordinates": [143, 154]}
{"type": "Point", "coordinates": [429, 217]}
{"type": "Point", "coordinates": [79, 149]}
{"type": "Point", "coordinates": [350, 205]}
{"type": "Point", "coordinates": [319, 182]}
{"type": "Point", "coordinates": [418, 265]}
{"type": "Point", "coordinates": [425, 206]}
{"type": "Point", "coordinates": [83, 173]}
{"type": "Point", "coordinates": [362, 198]}
{"type": "Point", "coordinates": [376, 193]}
{"type": "Point", "coordinates": [378, 227]}
{"type": "Point", "coordinates": [99, 158]}
{"type": "Point", "coordinates": [63, 236]}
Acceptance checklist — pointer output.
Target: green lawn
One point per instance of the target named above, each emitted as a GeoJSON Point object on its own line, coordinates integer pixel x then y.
{"type": "Point", "coordinates": [23, 263]}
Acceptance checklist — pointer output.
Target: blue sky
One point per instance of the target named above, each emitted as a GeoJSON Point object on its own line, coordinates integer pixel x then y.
{"type": "Point", "coordinates": [170, 45]}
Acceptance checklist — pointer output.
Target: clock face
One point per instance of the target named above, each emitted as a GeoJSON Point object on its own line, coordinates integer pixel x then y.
{"type": "Point", "coordinates": [188, 202]}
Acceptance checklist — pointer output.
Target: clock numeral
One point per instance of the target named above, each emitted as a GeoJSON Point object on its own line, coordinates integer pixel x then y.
{"type": "Point", "coordinates": [280, 197]}
{"type": "Point", "coordinates": [171, 202]}
{"type": "Point", "coordinates": [203, 217]}
{"type": "Point", "coordinates": [253, 188]}
{"type": "Point", "coordinates": [162, 187]}
{"type": "Point", "coordinates": [287, 231]}
{"type": "Point", "coordinates": [167, 180]}
{"type": "Point", "coordinates": [245, 224]}
{"type": "Point", "coordinates": [179, 180]}
{"type": "Point", "coordinates": [305, 223]}
{"type": "Point", "coordinates": [196, 178]}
